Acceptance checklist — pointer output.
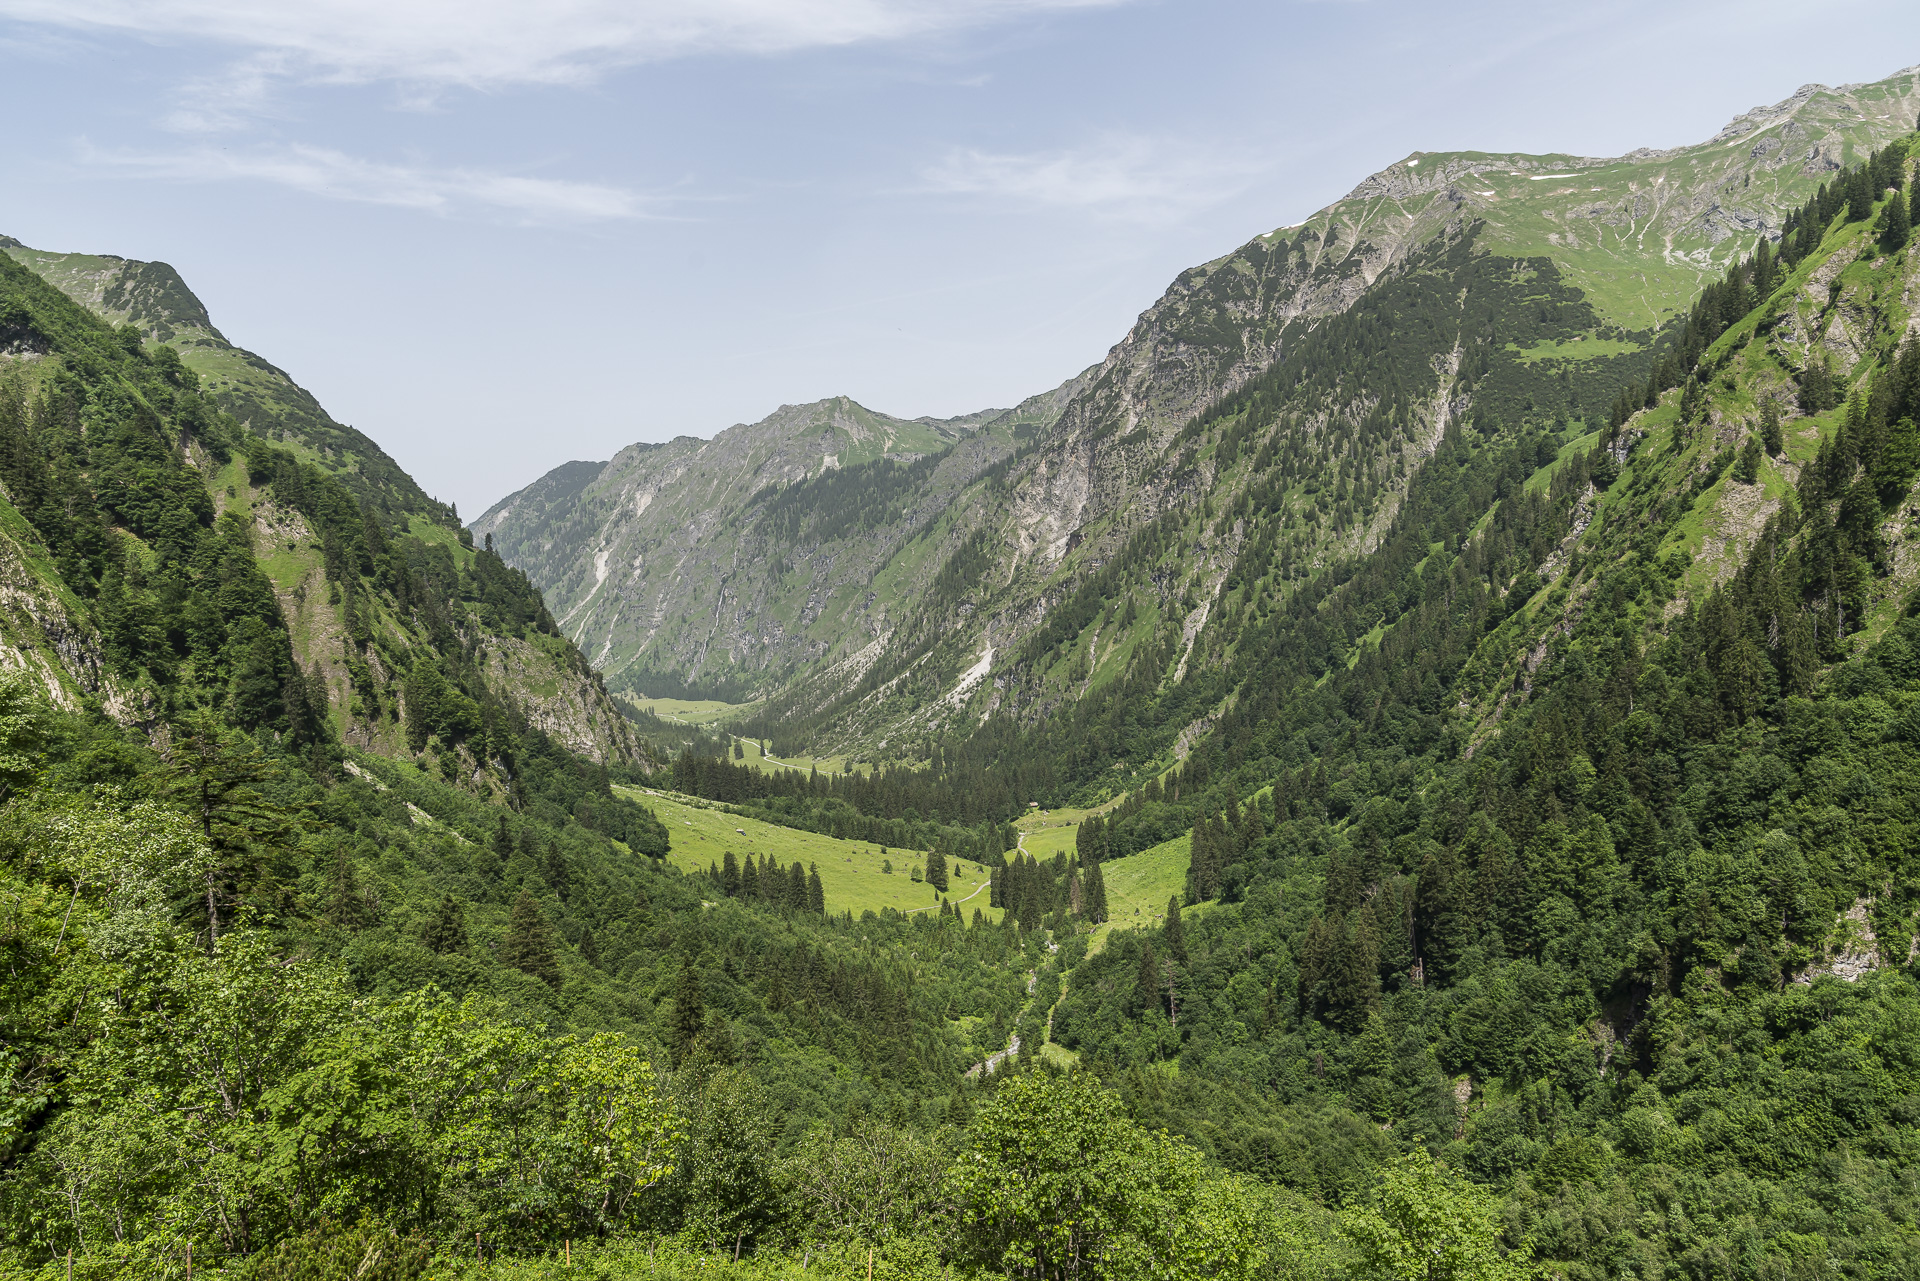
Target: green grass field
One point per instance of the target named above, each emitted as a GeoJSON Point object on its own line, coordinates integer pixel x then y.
{"type": "Point", "coordinates": [769, 764]}
{"type": "Point", "coordinates": [1139, 886]}
{"type": "Point", "coordinates": [850, 871]}
{"type": "Point", "coordinates": [688, 711]}
{"type": "Point", "coordinates": [852, 875]}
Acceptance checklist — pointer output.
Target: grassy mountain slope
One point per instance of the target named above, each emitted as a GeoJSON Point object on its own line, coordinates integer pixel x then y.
{"type": "Point", "coordinates": [743, 558]}
{"type": "Point", "coordinates": [283, 758]}
{"type": "Point", "coordinates": [1495, 288]}
{"type": "Point", "coordinates": [151, 297]}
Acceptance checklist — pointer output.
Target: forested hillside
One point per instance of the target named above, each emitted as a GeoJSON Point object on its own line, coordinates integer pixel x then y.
{"type": "Point", "coordinates": [1565, 832]}
{"type": "Point", "coordinates": [1450, 284]}
{"type": "Point", "coordinates": [1521, 745]}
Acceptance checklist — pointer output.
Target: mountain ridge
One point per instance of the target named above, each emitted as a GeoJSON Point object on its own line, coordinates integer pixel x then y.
{"type": "Point", "coordinates": [1615, 264]}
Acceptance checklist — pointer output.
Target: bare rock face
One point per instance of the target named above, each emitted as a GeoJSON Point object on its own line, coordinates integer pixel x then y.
{"type": "Point", "coordinates": [700, 561]}
{"type": "Point", "coordinates": [754, 552]}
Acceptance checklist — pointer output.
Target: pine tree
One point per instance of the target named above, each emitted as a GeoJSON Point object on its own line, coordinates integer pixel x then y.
{"type": "Point", "coordinates": [689, 1012]}
{"type": "Point", "coordinates": [730, 875]}
{"type": "Point", "coordinates": [816, 894]}
{"type": "Point", "coordinates": [937, 871]}
{"type": "Point", "coordinates": [750, 879]}
{"type": "Point", "coordinates": [1746, 469]}
{"type": "Point", "coordinates": [589, 948]}
{"type": "Point", "coordinates": [528, 946]}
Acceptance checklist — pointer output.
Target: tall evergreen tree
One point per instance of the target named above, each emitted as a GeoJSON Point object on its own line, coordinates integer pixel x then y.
{"type": "Point", "coordinates": [1146, 981]}
{"type": "Point", "coordinates": [446, 930]}
{"type": "Point", "coordinates": [1096, 894]}
{"type": "Point", "coordinates": [1896, 224]}
{"type": "Point", "coordinates": [689, 1012]}
{"type": "Point", "coordinates": [528, 946]}
{"type": "Point", "coordinates": [937, 871]}
{"type": "Point", "coordinates": [816, 893]}
{"type": "Point", "coordinates": [1176, 933]}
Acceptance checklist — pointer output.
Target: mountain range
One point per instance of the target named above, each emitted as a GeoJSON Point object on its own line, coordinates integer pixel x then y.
{"type": "Point", "coordinates": [796, 560]}
{"type": "Point", "coordinates": [1411, 758]}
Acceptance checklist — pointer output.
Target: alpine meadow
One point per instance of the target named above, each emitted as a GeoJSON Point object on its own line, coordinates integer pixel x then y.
{"type": "Point", "coordinates": [1408, 770]}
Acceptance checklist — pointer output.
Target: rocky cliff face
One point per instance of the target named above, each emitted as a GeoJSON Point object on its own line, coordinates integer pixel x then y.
{"type": "Point", "coordinates": [1563, 268]}
{"type": "Point", "coordinates": [755, 553]}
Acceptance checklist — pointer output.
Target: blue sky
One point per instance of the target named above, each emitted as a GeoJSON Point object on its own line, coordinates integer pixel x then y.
{"type": "Point", "coordinates": [498, 236]}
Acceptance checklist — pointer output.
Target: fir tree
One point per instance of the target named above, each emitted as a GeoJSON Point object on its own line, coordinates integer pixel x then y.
{"type": "Point", "coordinates": [528, 946]}
{"type": "Point", "coordinates": [1747, 469]}
{"type": "Point", "coordinates": [937, 871]}
{"type": "Point", "coordinates": [816, 894]}
{"type": "Point", "coordinates": [730, 875]}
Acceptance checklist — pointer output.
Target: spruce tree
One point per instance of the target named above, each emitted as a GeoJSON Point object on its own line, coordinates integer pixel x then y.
{"type": "Point", "coordinates": [1176, 933]}
{"type": "Point", "coordinates": [689, 1012]}
{"type": "Point", "coordinates": [730, 875]}
{"type": "Point", "coordinates": [816, 894]}
{"type": "Point", "coordinates": [349, 909]}
{"type": "Point", "coordinates": [937, 871]}
{"type": "Point", "coordinates": [1096, 894]}
{"type": "Point", "coordinates": [1771, 437]}
{"type": "Point", "coordinates": [528, 946]}
{"type": "Point", "coordinates": [1146, 981]}
{"type": "Point", "coordinates": [446, 930]}
{"type": "Point", "coordinates": [1896, 224]}
{"type": "Point", "coordinates": [750, 879]}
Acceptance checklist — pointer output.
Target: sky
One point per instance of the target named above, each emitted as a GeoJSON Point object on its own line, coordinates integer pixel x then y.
{"type": "Point", "coordinates": [496, 236]}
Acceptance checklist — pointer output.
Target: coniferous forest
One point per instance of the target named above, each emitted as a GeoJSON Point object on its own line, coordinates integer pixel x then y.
{"type": "Point", "coordinates": [1548, 887]}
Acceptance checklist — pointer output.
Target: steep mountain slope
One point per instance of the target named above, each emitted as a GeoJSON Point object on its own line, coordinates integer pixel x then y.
{"type": "Point", "coordinates": [1565, 829]}
{"type": "Point", "coordinates": [742, 558]}
{"type": "Point", "coordinates": [369, 589]}
{"type": "Point", "coordinates": [1542, 285]}
{"type": "Point", "coordinates": [151, 297]}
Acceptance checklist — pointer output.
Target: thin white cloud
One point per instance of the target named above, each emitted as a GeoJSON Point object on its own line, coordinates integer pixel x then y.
{"type": "Point", "coordinates": [487, 43]}
{"type": "Point", "coordinates": [1144, 178]}
{"type": "Point", "coordinates": [335, 175]}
